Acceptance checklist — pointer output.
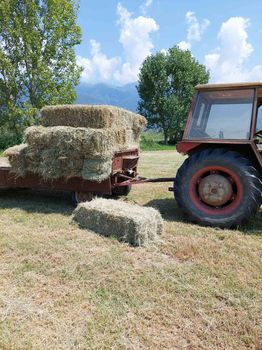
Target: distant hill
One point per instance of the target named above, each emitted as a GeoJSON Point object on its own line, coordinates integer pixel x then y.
{"type": "Point", "coordinates": [124, 96]}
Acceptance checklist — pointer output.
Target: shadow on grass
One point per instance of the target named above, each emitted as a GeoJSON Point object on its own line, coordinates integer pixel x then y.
{"type": "Point", "coordinates": [254, 226]}
{"type": "Point", "coordinates": [170, 212]}
{"type": "Point", "coordinates": [168, 209]}
{"type": "Point", "coordinates": [37, 201]}
{"type": "Point", "coordinates": [59, 202]}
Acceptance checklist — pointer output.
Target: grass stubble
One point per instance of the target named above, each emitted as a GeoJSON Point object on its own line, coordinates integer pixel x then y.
{"type": "Point", "coordinates": [67, 288]}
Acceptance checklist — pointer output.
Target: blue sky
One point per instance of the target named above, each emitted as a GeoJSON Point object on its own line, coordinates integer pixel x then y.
{"type": "Point", "coordinates": [226, 36]}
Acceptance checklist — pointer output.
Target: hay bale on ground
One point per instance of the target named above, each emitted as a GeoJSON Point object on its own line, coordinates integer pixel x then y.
{"type": "Point", "coordinates": [127, 222]}
{"type": "Point", "coordinates": [92, 116]}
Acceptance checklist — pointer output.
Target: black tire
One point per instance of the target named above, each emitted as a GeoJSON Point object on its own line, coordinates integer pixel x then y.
{"type": "Point", "coordinates": [81, 197]}
{"type": "Point", "coordinates": [247, 187]}
{"type": "Point", "coordinates": [121, 191]}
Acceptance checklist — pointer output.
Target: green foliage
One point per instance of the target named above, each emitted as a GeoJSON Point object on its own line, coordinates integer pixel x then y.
{"type": "Point", "coordinates": [37, 58]}
{"type": "Point", "coordinates": [8, 139]}
{"type": "Point", "coordinates": [153, 141]}
{"type": "Point", "coordinates": [166, 86]}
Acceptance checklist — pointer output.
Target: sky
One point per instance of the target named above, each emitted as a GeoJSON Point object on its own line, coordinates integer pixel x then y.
{"type": "Point", "coordinates": [225, 35]}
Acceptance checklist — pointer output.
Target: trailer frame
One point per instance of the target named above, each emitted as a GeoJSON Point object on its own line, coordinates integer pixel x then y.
{"type": "Point", "coordinates": [124, 174]}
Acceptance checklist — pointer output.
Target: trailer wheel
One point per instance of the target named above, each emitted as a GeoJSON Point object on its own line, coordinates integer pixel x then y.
{"type": "Point", "coordinates": [80, 197]}
{"type": "Point", "coordinates": [218, 187]}
{"type": "Point", "coordinates": [121, 191]}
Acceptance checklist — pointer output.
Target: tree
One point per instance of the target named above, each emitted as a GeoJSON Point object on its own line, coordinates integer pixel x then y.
{"type": "Point", "coordinates": [37, 58]}
{"type": "Point", "coordinates": [166, 86]}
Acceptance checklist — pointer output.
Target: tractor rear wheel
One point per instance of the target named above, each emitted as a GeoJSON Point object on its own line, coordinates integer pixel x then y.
{"type": "Point", "coordinates": [218, 187]}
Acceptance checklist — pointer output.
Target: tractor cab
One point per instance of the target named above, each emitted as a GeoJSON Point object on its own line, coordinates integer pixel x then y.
{"type": "Point", "coordinates": [220, 182]}
{"type": "Point", "coordinates": [225, 113]}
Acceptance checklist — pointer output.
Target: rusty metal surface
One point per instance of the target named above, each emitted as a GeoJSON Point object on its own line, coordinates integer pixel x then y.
{"type": "Point", "coordinates": [130, 162]}
{"type": "Point", "coordinates": [185, 146]}
{"type": "Point", "coordinates": [229, 86]}
{"type": "Point", "coordinates": [9, 179]}
{"type": "Point", "coordinates": [140, 180]}
{"type": "Point", "coordinates": [4, 177]}
{"type": "Point", "coordinates": [257, 153]}
{"type": "Point", "coordinates": [215, 190]}
{"type": "Point", "coordinates": [119, 164]}
{"type": "Point", "coordinates": [190, 115]}
{"type": "Point", "coordinates": [254, 115]}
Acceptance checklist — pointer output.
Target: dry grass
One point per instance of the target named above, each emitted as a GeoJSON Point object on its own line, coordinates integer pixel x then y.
{"type": "Point", "coordinates": [65, 288]}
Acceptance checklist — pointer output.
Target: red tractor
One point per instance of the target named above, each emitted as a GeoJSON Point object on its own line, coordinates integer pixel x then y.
{"type": "Point", "coordinates": [219, 184]}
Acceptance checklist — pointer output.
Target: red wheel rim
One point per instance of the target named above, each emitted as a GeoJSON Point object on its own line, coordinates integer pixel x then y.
{"type": "Point", "coordinates": [208, 209]}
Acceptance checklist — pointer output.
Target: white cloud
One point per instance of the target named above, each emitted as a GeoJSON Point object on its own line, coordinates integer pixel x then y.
{"type": "Point", "coordinates": [136, 41]}
{"type": "Point", "coordinates": [184, 45]}
{"type": "Point", "coordinates": [195, 30]}
{"type": "Point", "coordinates": [99, 64]}
{"type": "Point", "coordinates": [145, 6]}
{"type": "Point", "coordinates": [227, 62]}
{"type": "Point", "coordinates": [135, 38]}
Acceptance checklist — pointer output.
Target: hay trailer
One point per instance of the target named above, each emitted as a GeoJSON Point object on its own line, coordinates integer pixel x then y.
{"type": "Point", "coordinates": [124, 174]}
{"type": "Point", "coordinates": [124, 164]}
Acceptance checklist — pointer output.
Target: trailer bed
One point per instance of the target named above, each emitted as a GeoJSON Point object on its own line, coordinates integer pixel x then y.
{"type": "Point", "coordinates": [124, 162]}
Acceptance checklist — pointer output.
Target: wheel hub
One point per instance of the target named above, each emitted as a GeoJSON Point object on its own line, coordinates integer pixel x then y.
{"type": "Point", "coordinates": [215, 190]}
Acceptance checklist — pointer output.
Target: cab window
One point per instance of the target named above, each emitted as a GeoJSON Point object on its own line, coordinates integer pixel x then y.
{"type": "Point", "coordinates": [222, 115]}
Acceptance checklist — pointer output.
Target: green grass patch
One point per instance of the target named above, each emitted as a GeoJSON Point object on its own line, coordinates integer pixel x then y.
{"type": "Point", "coordinates": [153, 141]}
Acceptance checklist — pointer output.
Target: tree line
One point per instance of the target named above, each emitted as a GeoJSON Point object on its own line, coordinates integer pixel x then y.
{"type": "Point", "coordinates": [38, 67]}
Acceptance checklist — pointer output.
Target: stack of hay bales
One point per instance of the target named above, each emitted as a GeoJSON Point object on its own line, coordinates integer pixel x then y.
{"type": "Point", "coordinates": [127, 222]}
{"type": "Point", "coordinates": [76, 141]}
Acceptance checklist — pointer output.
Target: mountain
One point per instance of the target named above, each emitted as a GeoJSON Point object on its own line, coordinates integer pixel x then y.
{"type": "Point", "coordinates": [123, 96]}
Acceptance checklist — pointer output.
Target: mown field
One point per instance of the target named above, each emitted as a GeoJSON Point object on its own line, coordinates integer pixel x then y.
{"type": "Point", "coordinates": [65, 288]}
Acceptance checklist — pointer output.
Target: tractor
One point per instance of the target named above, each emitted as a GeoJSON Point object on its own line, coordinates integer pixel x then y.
{"type": "Point", "coordinates": [219, 184]}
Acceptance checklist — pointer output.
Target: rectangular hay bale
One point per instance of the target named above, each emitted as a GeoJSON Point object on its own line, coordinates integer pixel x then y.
{"type": "Point", "coordinates": [127, 222]}
{"type": "Point", "coordinates": [63, 151]}
{"type": "Point", "coordinates": [81, 141]}
{"type": "Point", "coordinates": [76, 141]}
{"type": "Point", "coordinates": [92, 116]}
